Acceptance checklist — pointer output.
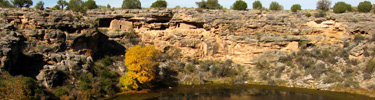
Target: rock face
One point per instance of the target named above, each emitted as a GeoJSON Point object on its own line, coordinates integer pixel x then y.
{"type": "Point", "coordinates": [50, 45]}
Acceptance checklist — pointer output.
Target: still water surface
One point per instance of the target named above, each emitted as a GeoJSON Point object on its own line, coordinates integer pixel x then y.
{"type": "Point", "coordinates": [239, 92]}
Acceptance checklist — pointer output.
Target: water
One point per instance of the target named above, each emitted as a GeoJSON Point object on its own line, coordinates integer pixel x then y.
{"type": "Point", "coordinates": [239, 92]}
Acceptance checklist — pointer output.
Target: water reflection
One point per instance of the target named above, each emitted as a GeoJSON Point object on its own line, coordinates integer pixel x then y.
{"type": "Point", "coordinates": [235, 92]}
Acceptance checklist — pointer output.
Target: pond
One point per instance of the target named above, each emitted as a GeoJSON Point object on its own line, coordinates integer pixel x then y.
{"type": "Point", "coordinates": [239, 92]}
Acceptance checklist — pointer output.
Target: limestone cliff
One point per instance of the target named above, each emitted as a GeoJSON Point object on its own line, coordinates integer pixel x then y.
{"type": "Point", "coordinates": [43, 44]}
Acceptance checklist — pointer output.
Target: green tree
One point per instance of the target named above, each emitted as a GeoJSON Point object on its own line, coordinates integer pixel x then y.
{"type": "Point", "coordinates": [40, 5]}
{"type": "Point", "coordinates": [76, 5]}
{"type": "Point", "coordinates": [239, 5]}
{"type": "Point", "coordinates": [341, 7]}
{"type": "Point", "coordinates": [56, 7]}
{"type": "Point", "coordinates": [257, 5]}
{"type": "Point", "coordinates": [5, 3]}
{"type": "Point", "coordinates": [140, 62]}
{"type": "Point", "coordinates": [364, 6]}
{"type": "Point", "coordinates": [131, 4]}
{"type": "Point", "coordinates": [91, 4]}
{"type": "Point", "coordinates": [275, 6]}
{"type": "Point", "coordinates": [62, 4]}
{"type": "Point", "coordinates": [108, 6]}
{"type": "Point", "coordinates": [209, 4]}
{"type": "Point", "coordinates": [22, 3]}
{"type": "Point", "coordinates": [159, 4]}
{"type": "Point", "coordinates": [323, 5]}
{"type": "Point", "coordinates": [296, 7]}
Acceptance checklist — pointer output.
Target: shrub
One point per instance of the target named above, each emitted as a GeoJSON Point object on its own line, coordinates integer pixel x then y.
{"type": "Point", "coordinates": [370, 66]}
{"type": "Point", "coordinates": [320, 13]}
{"type": "Point", "coordinates": [239, 5]}
{"type": "Point", "coordinates": [323, 5]}
{"type": "Point", "coordinates": [358, 38]}
{"type": "Point", "coordinates": [140, 62]}
{"type": "Point", "coordinates": [107, 61]}
{"type": "Point", "coordinates": [341, 7]}
{"type": "Point", "coordinates": [209, 4]}
{"type": "Point", "coordinates": [131, 4]}
{"type": "Point", "coordinates": [90, 4]}
{"type": "Point", "coordinates": [257, 5]}
{"type": "Point", "coordinates": [189, 68]}
{"type": "Point", "coordinates": [308, 14]}
{"type": "Point", "coordinates": [296, 7]}
{"type": "Point", "coordinates": [60, 91]}
{"type": "Point", "coordinates": [276, 6]}
{"type": "Point", "coordinates": [364, 6]}
{"type": "Point", "coordinates": [159, 4]}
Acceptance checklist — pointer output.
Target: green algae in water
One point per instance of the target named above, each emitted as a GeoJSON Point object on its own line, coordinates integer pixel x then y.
{"type": "Point", "coordinates": [239, 92]}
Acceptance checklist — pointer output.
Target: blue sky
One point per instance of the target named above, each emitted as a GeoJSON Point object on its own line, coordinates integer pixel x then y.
{"type": "Point", "coordinates": [306, 4]}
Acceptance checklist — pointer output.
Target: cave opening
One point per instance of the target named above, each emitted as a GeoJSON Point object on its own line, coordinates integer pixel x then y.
{"type": "Point", "coordinates": [105, 22]}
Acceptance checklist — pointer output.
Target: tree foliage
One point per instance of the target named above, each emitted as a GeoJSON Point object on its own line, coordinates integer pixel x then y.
{"type": "Point", "coordinates": [19, 88]}
{"type": "Point", "coordinates": [159, 4]}
{"type": "Point", "coordinates": [341, 7]}
{"type": "Point", "coordinates": [76, 5]}
{"type": "Point", "coordinates": [209, 4]}
{"type": "Point", "coordinates": [40, 5]}
{"type": "Point", "coordinates": [276, 6]}
{"type": "Point", "coordinates": [296, 7]}
{"type": "Point", "coordinates": [257, 5]}
{"type": "Point", "coordinates": [22, 3]}
{"type": "Point", "coordinates": [90, 4]}
{"type": "Point", "coordinates": [4, 3]}
{"type": "Point", "coordinates": [131, 4]}
{"type": "Point", "coordinates": [239, 5]}
{"type": "Point", "coordinates": [364, 6]}
{"type": "Point", "coordinates": [61, 4]}
{"type": "Point", "coordinates": [323, 5]}
{"type": "Point", "coordinates": [108, 6]}
{"type": "Point", "coordinates": [140, 62]}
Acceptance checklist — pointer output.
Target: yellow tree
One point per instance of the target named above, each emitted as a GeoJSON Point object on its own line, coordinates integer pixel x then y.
{"type": "Point", "coordinates": [140, 62]}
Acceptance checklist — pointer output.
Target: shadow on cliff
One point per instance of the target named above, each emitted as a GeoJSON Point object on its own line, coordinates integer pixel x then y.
{"type": "Point", "coordinates": [20, 64]}
{"type": "Point", "coordinates": [98, 45]}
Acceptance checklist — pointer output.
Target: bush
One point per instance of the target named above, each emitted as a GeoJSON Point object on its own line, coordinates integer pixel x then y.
{"type": "Point", "coordinates": [308, 14]}
{"type": "Point", "coordinates": [370, 66]}
{"type": "Point", "coordinates": [159, 4]}
{"type": "Point", "coordinates": [60, 91]}
{"type": "Point", "coordinates": [276, 6]}
{"type": "Point", "coordinates": [358, 38]}
{"type": "Point", "coordinates": [320, 13]}
{"type": "Point", "coordinates": [107, 61]}
{"type": "Point", "coordinates": [365, 6]}
{"type": "Point", "coordinates": [341, 7]}
{"type": "Point", "coordinates": [239, 5]}
{"type": "Point", "coordinates": [323, 5]}
{"type": "Point", "coordinates": [131, 4]}
{"type": "Point", "coordinates": [257, 5]}
{"type": "Point", "coordinates": [209, 4]}
{"type": "Point", "coordinates": [296, 7]}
